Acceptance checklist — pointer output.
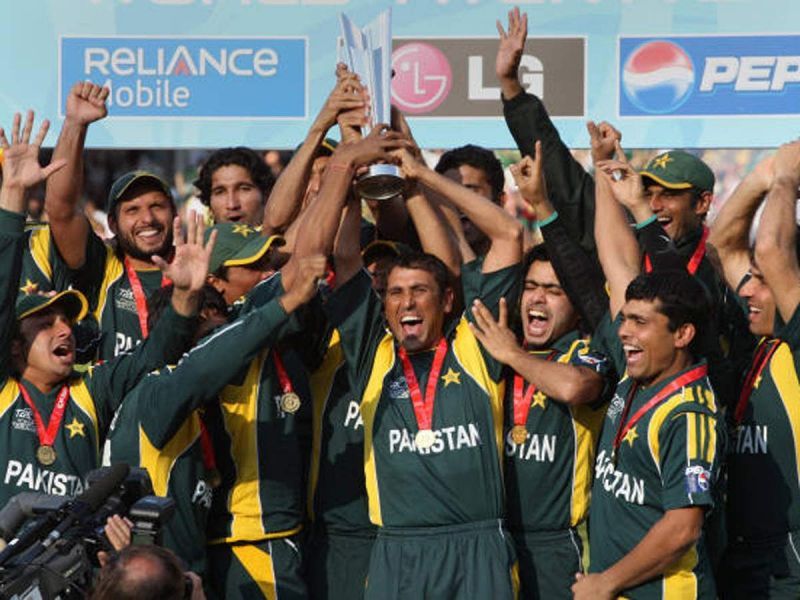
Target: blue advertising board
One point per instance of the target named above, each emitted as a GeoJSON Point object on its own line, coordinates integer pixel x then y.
{"type": "Point", "coordinates": [211, 73]}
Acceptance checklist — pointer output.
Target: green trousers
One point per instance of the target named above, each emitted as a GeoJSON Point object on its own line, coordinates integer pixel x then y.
{"type": "Point", "coordinates": [473, 560]}
{"type": "Point", "coordinates": [766, 569]}
{"type": "Point", "coordinates": [548, 561]}
{"type": "Point", "coordinates": [337, 564]}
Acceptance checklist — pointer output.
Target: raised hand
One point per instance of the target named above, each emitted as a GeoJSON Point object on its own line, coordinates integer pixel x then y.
{"type": "Point", "coordinates": [603, 138]}
{"type": "Point", "coordinates": [376, 147]}
{"type": "Point", "coordinates": [786, 162]}
{"type": "Point", "coordinates": [21, 167]}
{"type": "Point", "coordinates": [189, 267]}
{"type": "Point", "coordinates": [86, 103]}
{"type": "Point", "coordinates": [625, 183]}
{"type": "Point", "coordinates": [347, 97]}
{"type": "Point", "coordinates": [512, 43]}
{"type": "Point", "coordinates": [310, 270]}
{"type": "Point", "coordinates": [528, 175]}
{"type": "Point", "coordinates": [494, 335]}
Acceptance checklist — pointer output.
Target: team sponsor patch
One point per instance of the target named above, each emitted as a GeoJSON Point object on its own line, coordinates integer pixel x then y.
{"type": "Point", "coordinates": [615, 407]}
{"type": "Point", "coordinates": [124, 300]}
{"type": "Point", "coordinates": [594, 361]}
{"type": "Point", "coordinates": [398, 389]}
{"type": "Point", "coordinates": [23, 420]}
{"type": "Point", "coordinates": [698, 479]}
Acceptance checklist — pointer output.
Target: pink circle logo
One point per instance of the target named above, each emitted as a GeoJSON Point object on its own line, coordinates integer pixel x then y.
{"type": "Point", "coordinates": [422, 78]}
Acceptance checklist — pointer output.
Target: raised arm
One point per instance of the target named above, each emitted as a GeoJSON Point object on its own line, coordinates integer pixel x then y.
{"type": "Point", "coordinates": [776, 250]}
{"type": "Point", "coordinates": [617, 247]}
{"type": "Point", "coordinates": [70, 229]}
{"type": "Point", "coordinates": [285, 199]}
{"type": "Point", "coordinates": [730, 231]}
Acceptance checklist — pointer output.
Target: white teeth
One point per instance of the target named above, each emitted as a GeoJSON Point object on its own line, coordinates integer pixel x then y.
{"type": "Point", "coordinates": [630, 348]}
{"type": "Point", "coordinates": [753, 309]}
{"type": "Point", "coordinates": [664, 219]}
{"type": "Point", "coordinates": [536, 314]}
{"type": "Point", "coordinates": [410, 320]}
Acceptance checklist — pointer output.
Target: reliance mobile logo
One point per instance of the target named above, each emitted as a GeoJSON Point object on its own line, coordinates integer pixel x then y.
{"type": "Point", "coordinates": [658, 77]}
{"type": "Point", "coordinates": [709, 76]}
{"type": "Point", "coordinates": [191, 77]}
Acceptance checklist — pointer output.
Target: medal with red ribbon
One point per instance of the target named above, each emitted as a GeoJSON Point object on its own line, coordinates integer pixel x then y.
{"type": "Point", "coordinates": [209, 457]}
{"type": "Point", "coordinates": [522, 405]}
{"type": "Point", "coordinates": [423, 407]}
{"type": "Point", "coordinates": [290, 401]}
{"type": "Point", "coordinates": [45, 453]}
{"type": "Point", "coordinates": [694, 261]}
{"type": "Point", "coordinates": [139, 296]}
{"type": "Point", "coordinates": [625, 425]}
{"type": "Point", "coordinates": [766, 348]}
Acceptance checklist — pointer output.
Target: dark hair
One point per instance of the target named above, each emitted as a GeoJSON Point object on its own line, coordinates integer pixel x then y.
{"type": "Point", "coordinates": [681, 297]}
{"type": "Point", "coordinates": [246, 158]}
{"type": "Point", "coordinates": [478, 158]}
{"type": "Point", "coordinates": [158, 301]}
{"type": "Point", "coordinates": [165, 582]}
{"type": "Point", "coordinates": [423, 262]}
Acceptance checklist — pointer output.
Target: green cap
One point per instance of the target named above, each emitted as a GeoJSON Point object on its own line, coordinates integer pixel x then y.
{"type": "Point", "coordinates": [377, 249]}
{"type": "Point", "coordinates": [123, 184]}
{"type": "Point", "coordinates": [72, 302]}
{"type": "Point", "coordinates": [679, 170]}
{"type": "Point", "coordinates": [326, 148]}
{"type": "Point", "coordinates": [239, 245]}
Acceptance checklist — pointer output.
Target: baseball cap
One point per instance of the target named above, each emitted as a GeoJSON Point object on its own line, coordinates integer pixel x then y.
{"type": "Point", "coordinates": [380, 248]}
{"type": "Point", "coordinates": [124, 183]}
{"type": "Point", "coordinates": [239, 245]}
{"type": "Point", "coordinates": [679, 170]}
{"type": "Point", "coordinates": [72, 302]}
{"type": "Point", "coordinates": [326, 148]}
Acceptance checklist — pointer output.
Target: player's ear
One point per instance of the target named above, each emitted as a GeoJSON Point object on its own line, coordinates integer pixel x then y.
{"type": "Point", "coordinates": [684, 335]}
{"type": "Point", "coordinates": [447, 300]}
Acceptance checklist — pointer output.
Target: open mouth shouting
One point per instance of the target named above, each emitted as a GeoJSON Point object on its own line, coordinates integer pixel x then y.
{"type": "Point", "coordinates": [411, 326]}
{"type": "Point", "coordinates": [633, 355]}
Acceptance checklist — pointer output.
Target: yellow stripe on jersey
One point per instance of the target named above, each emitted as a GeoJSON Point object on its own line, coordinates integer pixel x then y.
{"type": "Point", "coordinates": [79, 393]}
{"type": "Point", "coordinates": [39, 246]}
{"type": "Point", "coordinates": [259, 566]}
{"type": "Point", "coordinates": [160, 461]}
{"type": "Point", "coordinates": [680, 582]}
{"type": "Point", "coordinates": [468, 354]}
{"type": "Point", "coordinates": [239, 405]}
{"type": "Point", "coordinates": [321, 383]}
{"type": "Point", "coordinates": [113, 271]}
{"type": "Point", "coordinates": [784, 374]}
{"type": "Point", "coordinates": [8, 395]}
{"type": "Point", "coordinates": [654, 427]}
{"type": "Point", "coordinates": [383, 363]}
{"type": "Point", "coordinates": [586, 425]}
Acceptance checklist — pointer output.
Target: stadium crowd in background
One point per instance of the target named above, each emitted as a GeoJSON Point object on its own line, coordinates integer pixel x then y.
{"type": "Point", "coordinates": [420, 397]}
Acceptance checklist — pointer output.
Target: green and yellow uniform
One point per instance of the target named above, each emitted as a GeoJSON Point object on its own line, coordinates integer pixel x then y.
{"type": "Point", "coordinates": [424, 501]}
{"type": "Point", "coordinates": [93, 396]}
{"type": "Point", "coordinates": [341, 533]}
{"type": "Point", "coordinates": [42, 269]}
{"type": "Point", "coordinates": [763, 557]}
{"type": "Point", "coordinates": [549, 477]}
{"type": "Point", "coordinates": [258, 510]}
{"type": "Point", "coordinates": [159, 426]}
{"type": "Point", "coordinates": [668, 460]}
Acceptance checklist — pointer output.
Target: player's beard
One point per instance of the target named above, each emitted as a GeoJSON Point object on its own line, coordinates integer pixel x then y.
{"type": "Point", "coordinates": [128, 247]}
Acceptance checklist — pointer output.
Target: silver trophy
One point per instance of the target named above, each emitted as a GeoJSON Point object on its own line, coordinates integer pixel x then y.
{"type": "Point", "coordinates": [367, 52]}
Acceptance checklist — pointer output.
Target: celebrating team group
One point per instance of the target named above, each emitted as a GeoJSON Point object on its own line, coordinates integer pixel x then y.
{"type": "Point", "coordinates": [423, 404]}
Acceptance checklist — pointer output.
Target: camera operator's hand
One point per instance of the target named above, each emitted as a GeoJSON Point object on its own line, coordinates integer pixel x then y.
{"type": "Point", "coordinates": [118, 531]}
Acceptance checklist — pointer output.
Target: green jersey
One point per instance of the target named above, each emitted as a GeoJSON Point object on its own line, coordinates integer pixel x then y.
{"type": "Point", "coordinates": [549, 475]}
{"type": "Point", "coordinates": [764, 454]}
{"type": "Point", "coordinates": [408, 486]}
{"type": "Point", "coordinates": [42, 268]}
{"type": "Point", "coordinates": [337, 497]}
{"type": "Point", "coordinates": [171, 446]}
{"type": "Point", "coordinates": [258, 442]}
{"type": "Point", "coordinates": [667, 460]}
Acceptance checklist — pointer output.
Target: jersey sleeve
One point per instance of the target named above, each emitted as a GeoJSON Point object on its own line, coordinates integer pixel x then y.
{"type": "Point", "coordinates": [606, 342]}
{"type": "Point", "coordinates": [688, 459]}
{"type": "Point", "coordinates": [110, 382]}
{"type": "Point", "coordinates": [11, 247]}
{"type": "Point", "coordinates": [90, 277]}
{"type": "Point", "coordinates": [357, 312]}
{"type": "Point", "coordinates": [174, 393]}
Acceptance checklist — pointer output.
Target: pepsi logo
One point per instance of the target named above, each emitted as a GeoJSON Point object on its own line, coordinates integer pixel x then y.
{"type": "Point", "coordinates": [658, 77]}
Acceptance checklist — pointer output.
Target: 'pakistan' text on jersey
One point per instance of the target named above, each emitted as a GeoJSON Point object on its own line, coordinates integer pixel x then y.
{"type": "Point", "coordinates": [549, 475]}
{"type": "Point", "coordinates": [764, 454]}
{"type": "Point", "coordinates": [337, 499]}
{"type": "Point", "coordinates": [668, 460]}
{"type": "Point", "coordinates": [159, 425]}
{"type": "Point", "coordinates": [459, 478]}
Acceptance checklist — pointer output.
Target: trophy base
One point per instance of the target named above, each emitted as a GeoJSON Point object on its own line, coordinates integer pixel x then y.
{"type": "Point", "coordinates": [381, 182]}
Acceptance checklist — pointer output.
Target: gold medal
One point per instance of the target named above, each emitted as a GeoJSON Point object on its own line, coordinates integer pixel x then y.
{"type": "Point", "coordinates": [46, 455]}
{"type": "Point", "coordinates": [519, 434]}
{"type": "Point", "coordinates": [290, 402]}
{"type": "Point", "coordinates": [213, 478]}
{"type": "Point", "coordinates": [424, 439]}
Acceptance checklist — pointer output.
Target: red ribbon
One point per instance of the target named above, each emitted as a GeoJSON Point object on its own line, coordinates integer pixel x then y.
{"type": "Point", "coordinates": [48, 436]}
{"type": "Point", "coordinates": [694, 261]}
{"type": "Point", "coordinates": [522, 402]}
{"type": "Point", "coordinates": [423, 408]}
{"type": "Point", "coordinates": [686, 379]}
{"type": "Point", "coordinates": [766, 348]}
{"type": "Point", "coordinates": [283, 376]}
{"type": "Point", "coordinates": [139, 295]}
